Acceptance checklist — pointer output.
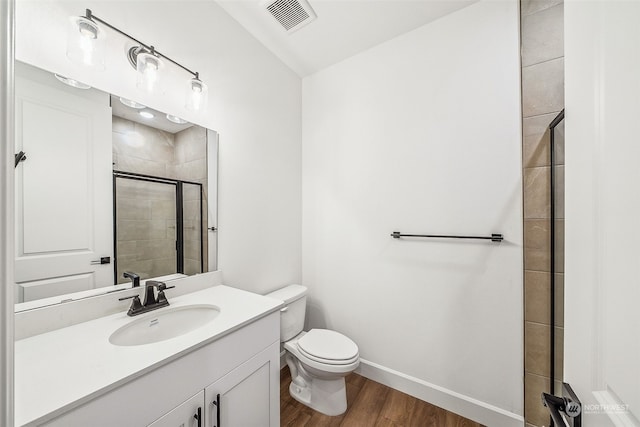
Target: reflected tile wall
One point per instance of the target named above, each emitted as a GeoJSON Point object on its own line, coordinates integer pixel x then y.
{"type": "Point", "coordinates": [146, 213]}
{"type": "Point", "coordinates": [542, 99]}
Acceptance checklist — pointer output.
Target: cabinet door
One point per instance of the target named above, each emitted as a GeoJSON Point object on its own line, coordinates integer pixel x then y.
{"type": "Point", "coordinates": [249, 395]}
{"type": "Point", "coordinates": [188, 414]}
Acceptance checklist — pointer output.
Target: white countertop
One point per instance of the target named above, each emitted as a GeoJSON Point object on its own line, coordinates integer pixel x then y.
{"type": "Point", "coordinates": [62, 369]}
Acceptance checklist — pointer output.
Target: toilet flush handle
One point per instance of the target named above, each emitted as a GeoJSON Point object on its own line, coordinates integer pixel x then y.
{"type": "Point", "coordinates": [283, 309]}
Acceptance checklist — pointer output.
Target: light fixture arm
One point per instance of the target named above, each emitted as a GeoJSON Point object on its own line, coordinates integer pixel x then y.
{"type": "Point", "coordinates": [90, 16]}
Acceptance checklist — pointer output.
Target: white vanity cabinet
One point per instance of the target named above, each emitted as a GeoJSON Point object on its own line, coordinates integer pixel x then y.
{"type": "Point", "coordinates": [242, 367]}
{"type": "Point", "coordinates": [245, 396]}
{"type": "Point", "coordinates": [189, 414]}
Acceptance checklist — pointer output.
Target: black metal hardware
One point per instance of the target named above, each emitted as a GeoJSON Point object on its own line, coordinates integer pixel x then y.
{"type": "Point", "coordinates": [212, 229]}
{"type": "Point", "coordinates": [150, 302]}
{"type": "Point", "coordinates": [569, 406]}
{"type": "Point", "coordinates": [216, 403]}
{"type": "Point", "coordinates": [180, 228]}
{"type": "Point", "coordinates": [90, 16]}
{"type": "Point", "coordinates": [135, 279]}
{"type": "Point", "coordinates": [161, 297]}
{"type": "Point", "coordinates": [20, 157]}
{"type": "Point", "coordinates": [135, 306]}
{"type": "Point", "coordinates": [493, 237]}
{"type": "Point", "coordinates": [552, 267]}
{"type": "Point", "coordinates": [567, 390]}
{"type": "Point", "coordinates": [101, 261]}
{"type": "Point", "coordinates": [198, 416]}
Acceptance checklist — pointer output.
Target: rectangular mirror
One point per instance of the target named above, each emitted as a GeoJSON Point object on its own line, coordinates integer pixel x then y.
{"type": "Point", "coordinates": [106, 186]}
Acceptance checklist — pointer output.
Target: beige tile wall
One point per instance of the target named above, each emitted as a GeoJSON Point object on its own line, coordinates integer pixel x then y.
{"type": "Point", "coordinates": [542, 99]}
{"type": "Point", "coordinates": [146, 215]}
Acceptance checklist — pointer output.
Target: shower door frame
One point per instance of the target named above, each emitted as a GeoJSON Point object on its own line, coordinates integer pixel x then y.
{"type": "Point", "coordinates": [179, 217]}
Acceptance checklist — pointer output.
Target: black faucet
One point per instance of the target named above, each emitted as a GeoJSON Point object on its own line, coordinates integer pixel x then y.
{"type": "Point", "coordinates": [151, 302]}
{"type": "Point", "coordinates": [135, 279]}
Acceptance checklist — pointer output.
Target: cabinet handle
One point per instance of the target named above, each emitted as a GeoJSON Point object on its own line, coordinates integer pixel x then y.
{"type": "Point", "coordinates": [198, 416]}
{"type": "Point", "coordinates": [216, 403]}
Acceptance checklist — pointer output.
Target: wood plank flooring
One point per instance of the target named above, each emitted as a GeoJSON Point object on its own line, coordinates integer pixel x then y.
{"type": "Point", "coordinates": [369, 404]}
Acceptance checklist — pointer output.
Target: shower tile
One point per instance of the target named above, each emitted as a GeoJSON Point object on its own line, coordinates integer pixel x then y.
{"type": "Point", "coordinates": [141, 230]}
{"type": "Point", "coordinates": [543, 88]}
{"type": "Point", "coordinates": [191, 267]}
{"type": "Point", "coordinates": [131, 208]}
{"type": "Point", "coordinates": [192, 249]}
{"type": "Point", "coordinates": [138, 165]}
{"type": "Point", "coordinates": [155, 249]}
{"type": "Point", "coordinates": [537, 286]}
{"type": "Point", "coordinates": [537, 289]}
{"type": "Point", "coordinates": [542, 35]}
{"type": "Point", "coordinates": [527, 7]}
{"type": "Point", "coordinates": [537, 253]}
{"type": "Point", "coordinates": [537, 194]}
{"type": "Point", "coordinates": [163, 266]}
{"type": "Point", "coordinates": [126, 248]}
{"type": "Point", "coordinates": [164, 209]}
{"type": "Point", "coordinates": [536, 348]}
{"type": "Point", "coordinates": [536, 150]}
{"type": "Point", "coordinates": [537, 125]}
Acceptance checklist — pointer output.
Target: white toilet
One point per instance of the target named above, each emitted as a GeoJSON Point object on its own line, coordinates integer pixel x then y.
{"type": "Point", "coordinates": [319, 359]}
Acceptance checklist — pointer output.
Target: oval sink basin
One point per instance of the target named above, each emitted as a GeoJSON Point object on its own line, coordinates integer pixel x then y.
{"type": "Point", "coordinates": [164, 324]}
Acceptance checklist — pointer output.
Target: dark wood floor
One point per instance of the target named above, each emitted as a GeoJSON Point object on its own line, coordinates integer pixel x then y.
{"type": "Point", "coordinates": [369, 404]}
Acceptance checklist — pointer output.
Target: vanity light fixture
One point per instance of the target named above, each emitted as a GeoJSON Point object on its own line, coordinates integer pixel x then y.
{"type": "Point", "coordinates": [176, 119]}
{"type": "Point", "coordinates": [72, 82]}
{"type": "Point", "coordinates": [86, 43]}
{"type": "Point", "coordinates": [146, 114]}
{"type": "Point", "coordinates": [132, 104]}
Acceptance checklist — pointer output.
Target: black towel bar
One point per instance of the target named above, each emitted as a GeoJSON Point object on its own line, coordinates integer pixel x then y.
{"type": "Point", "coordinates": [493, 237]}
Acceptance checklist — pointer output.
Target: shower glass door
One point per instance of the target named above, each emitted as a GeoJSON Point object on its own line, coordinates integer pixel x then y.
{"type": "Point", "coordinates": [159, 226]}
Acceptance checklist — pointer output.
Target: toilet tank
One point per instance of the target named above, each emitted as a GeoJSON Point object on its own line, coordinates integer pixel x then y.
{"type": "Point", "coordinates": [292, 314]}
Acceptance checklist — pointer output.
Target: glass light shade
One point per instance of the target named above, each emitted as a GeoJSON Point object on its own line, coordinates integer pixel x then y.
{"type": "Point", "coordinates": [149, 69]}
{"type": "Point", "coordinates": [132, 104]}
{"type": "Point", "coordinates": [85, 43]}
{"type": "Point", "coordinates": [197, 95]}
{"type": "Point", "coordinates": [72, 82]}
{"type": "Point", "coordinates": [175, 119]}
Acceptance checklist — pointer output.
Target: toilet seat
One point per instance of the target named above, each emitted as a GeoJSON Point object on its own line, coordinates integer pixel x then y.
{"type": "Point", "coordinates": [326, 346]}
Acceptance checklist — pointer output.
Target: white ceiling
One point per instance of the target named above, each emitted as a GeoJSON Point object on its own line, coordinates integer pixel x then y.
{"type": "Point", "coordinates": [343, 27]}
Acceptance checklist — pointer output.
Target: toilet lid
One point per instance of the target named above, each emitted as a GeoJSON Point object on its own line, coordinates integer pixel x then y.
{"type": "Point", "coordinates": [328, 345]}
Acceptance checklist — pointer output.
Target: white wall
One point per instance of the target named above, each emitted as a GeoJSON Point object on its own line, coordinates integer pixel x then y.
{"type": "Point", "coordinates": [422, 135]}
{"type": "Point", "coordinates": [602, 284]}
{"type": "Point", "coordinates": [254, 105]}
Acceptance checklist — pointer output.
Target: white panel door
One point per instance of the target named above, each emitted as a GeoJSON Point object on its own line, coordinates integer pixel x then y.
{"type": "Point", "coordinates": [602, 251]}
{"type": "Point", "coordinates": [249, 395]}
{"type": "Point", "coordinates": [64, 205]}
{"type": "Point", "coordinates": [188, 414]}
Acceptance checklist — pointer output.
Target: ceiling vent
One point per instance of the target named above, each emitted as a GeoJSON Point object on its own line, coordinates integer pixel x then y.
{"type": "Point", "coordinates": [291, 14]}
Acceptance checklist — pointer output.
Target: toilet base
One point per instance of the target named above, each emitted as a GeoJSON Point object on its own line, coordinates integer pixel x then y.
{"type": "Point", "coordinates": [326, 396]}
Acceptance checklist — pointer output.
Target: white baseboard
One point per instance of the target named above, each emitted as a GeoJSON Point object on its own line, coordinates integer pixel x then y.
{"type": "Point", "coordinates": [457, 403]}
